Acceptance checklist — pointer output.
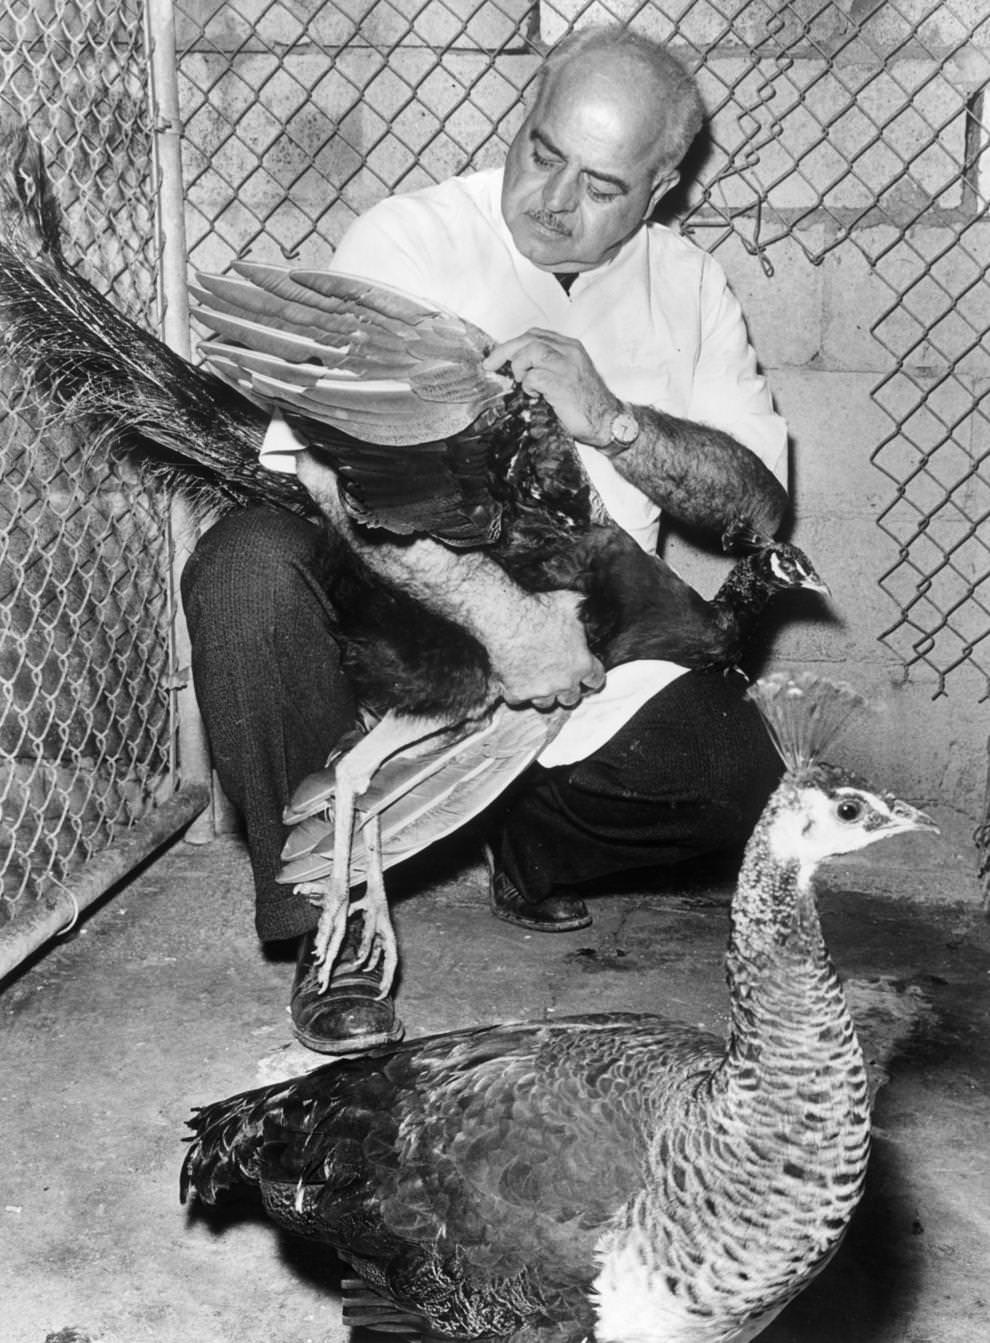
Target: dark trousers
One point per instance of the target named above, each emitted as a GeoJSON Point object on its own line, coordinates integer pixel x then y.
{"type": "Point", "coordinates": [268, 680]}
{"type": "Point", "coordinates": [687, 776]}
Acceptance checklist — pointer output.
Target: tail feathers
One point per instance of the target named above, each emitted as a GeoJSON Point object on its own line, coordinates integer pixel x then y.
{"type": "Point", "coordinates": [29, 218]}
{"type": "Point", "coordinates": [226, 1146]}
{"type": "Point", "coordinates": [364, 1308]}
{"type": "Point", "coordinates": [88, 364]}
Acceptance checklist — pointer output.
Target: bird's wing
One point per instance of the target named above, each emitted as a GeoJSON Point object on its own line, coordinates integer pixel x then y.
{"type": "Point", "coordinates": [422, 794]}
{"type": "Point", "coordinates": [391, 387]}
{"type": "Point", "coordinates": [495, 1157]}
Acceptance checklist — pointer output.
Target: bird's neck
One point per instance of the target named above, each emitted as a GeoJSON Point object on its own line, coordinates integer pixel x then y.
{"type": "Point", "coordinates": [784, 990]}
{"type": "Point", "coordinates": [793, 1058]}
{"type": "Point", "coordinates": [757, 1165]}
{"type": "Point", "coordinates": [792, 1081]}
{"type": "Point", "coordinates": [745, 592]}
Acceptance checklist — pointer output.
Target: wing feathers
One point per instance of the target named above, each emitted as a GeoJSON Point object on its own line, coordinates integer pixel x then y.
{"type": "Point", "coordinates": [421, 796]}
{"type": "Point", "coordinates": [360, 356]}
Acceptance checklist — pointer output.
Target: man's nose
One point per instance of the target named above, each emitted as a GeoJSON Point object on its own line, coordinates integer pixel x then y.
{"type": "Point", "coordinates": [560, 192]}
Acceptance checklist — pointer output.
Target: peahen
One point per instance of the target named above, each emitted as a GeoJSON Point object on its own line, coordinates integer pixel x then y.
{"type": "Point", "coordinates": [616, 1177]}
{"type": "Point", "coordinates": [437, 447]}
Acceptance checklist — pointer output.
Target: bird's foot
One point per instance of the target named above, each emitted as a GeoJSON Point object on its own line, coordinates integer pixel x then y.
{"type": "Point", "coordinates": [378, 946]}
{"type": "Point", "coordinates": [334, 907]}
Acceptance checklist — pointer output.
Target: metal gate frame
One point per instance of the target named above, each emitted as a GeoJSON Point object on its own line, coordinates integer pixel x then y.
{"type": "Point", "coordinates": [55, 874]}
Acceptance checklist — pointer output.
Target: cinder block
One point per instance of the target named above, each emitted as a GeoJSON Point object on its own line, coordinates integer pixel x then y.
{"type": "Point", "coordinates": [783, 311]}
{"type": "Point", "coordinates": [356, 130]}
{"type": "Point", "coordinates": [485, 27]}
{"type": "Point", "coordinates": [923, 301]}
{"type": "Point", "coordinates": [919, 24]}
{"type": "Point", "coordinates": [743, 23]}
{"type": "Point", "coordinates": [834, 425]}
{"type": "Point", "coordinates": [841, 136]}
{"type": "Point", "coordinates": [909, 454]}
{"type": "Point", "coordinates": [862, 297]}
{"type": "Point", "coordinates": [699, 24]}
{"type": "Point", "coordinates": [851, 554]}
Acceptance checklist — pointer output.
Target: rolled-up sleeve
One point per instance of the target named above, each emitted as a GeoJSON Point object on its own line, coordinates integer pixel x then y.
{"type": "Point", "coordinates": [729, 391]}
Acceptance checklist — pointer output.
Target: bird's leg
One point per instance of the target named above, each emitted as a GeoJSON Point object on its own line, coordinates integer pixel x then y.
{"type": "Point", "coordinates": [378, 942]}
{"type": "Point", "coordinates": [352, 775]}
{"type": "Point", "coordinates": [332, 894]}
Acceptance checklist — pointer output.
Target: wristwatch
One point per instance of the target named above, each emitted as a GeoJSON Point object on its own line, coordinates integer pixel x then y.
{"type": "Point", "coordinates": [624, 431]}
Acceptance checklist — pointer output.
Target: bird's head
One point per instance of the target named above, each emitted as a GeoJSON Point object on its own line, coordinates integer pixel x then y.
{"type": "Point", "coordinates": [782, 565]}
{"type": "Point", "coordinates": [778, 564]}
{"type": "Point", "coordinates": [820, 811]}
{"type": "Point", "coordinates": [824, 812]}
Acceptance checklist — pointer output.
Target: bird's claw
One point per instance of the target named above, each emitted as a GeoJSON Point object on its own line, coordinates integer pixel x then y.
{"type": "Point", "coordinates": [331, 928]}
{"type": "Point", "coordinates": [377, 946]}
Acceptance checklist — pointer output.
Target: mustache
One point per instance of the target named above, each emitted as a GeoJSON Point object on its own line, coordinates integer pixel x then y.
{"type": "Point", "coordinates": [549, 220]}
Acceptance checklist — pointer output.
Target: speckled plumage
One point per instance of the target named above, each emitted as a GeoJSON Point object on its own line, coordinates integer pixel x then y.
{"type": "Point", "coordinates": [619, 1175]}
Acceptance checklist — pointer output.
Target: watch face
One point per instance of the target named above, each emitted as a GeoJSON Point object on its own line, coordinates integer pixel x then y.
{"type": "Point", "coordinates": [625, 427]}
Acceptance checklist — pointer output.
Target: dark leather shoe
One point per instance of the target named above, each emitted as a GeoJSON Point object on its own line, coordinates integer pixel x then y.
{"type": "Point", "coordinates": [349, 1018]}
{"type": "Point", "coordinates": [561, 912]}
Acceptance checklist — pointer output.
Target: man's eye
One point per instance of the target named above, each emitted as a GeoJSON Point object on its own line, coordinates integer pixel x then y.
{"type": "Point", "coordinates": [540, 161]}
{"type": "Point", "coordinates": [597, 195]}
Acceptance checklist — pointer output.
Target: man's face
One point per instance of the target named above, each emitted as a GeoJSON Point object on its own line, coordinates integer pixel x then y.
{"type": "Point", "coordinates": [581, 174]}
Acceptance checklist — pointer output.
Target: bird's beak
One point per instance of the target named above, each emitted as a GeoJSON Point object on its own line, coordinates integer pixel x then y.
{"type": "Point", "coordinates": [907, 817]}
{"type": "Point", "coordinates": [817, 584]}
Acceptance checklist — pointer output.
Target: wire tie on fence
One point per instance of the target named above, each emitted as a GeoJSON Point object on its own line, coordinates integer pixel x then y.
{"type": "Point", "coordinates": [75, 916]}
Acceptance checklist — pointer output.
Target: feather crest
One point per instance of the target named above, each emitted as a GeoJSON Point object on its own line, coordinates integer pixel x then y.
{"type": "Point", "coordinates": [803, 714]}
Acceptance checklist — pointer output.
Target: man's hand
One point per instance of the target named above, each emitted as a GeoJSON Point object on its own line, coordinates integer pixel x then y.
{"type": "Point", "coordinates": [535, 642]}
{"type": "Point", "coordinates": [543, 658]}
{"type": "Point", "coordinates": [561, 370]}
{"type": "Point", "coordinates": [320, 479]}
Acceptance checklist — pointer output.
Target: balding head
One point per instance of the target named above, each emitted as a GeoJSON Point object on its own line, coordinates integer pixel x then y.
{"type": "Point", "coordinates": [654, 91]}
{"type": "Point", "coordinates": [612, 117]}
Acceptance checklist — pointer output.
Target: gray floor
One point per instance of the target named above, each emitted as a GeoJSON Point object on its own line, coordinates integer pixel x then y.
{"type": "Point", "coordinates": [162, 999]}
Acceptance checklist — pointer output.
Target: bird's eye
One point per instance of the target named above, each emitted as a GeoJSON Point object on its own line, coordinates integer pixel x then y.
{"type": "Point", "coordinates": [849, 809]}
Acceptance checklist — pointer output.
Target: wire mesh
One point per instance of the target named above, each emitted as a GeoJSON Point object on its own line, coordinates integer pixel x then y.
{"type": "Point", "coordinates": [86, 731]}
{"type": "Point", "coordinates": [857, 130]}
{"type": "Point", "coordinates": [835, 126]}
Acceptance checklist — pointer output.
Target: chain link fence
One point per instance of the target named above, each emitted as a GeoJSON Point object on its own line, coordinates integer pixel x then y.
{"type": "Point", "coordinates": [835, 125]}
{"type": "Point", "coordinates": [851, 127]}
{"type": "Point", "coordinates": [88, 771]}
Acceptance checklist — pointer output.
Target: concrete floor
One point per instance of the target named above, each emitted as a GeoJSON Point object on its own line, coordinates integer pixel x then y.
{"type": "Point", "coordinates": [162, 999]}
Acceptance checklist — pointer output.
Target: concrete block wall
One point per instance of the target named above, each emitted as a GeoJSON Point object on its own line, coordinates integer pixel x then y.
{"type": "Point", "coordinates": [869, 122]}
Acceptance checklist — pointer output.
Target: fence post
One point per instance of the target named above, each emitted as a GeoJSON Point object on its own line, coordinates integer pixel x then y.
{"type": "Point", "coordinates": [189, 743]}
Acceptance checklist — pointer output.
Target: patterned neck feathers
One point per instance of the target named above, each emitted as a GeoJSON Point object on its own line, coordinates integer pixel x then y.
{"type": "Point", "coordinates": [784, 991]}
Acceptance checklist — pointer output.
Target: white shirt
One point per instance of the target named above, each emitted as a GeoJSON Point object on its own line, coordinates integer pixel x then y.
{"type": "Point", "coordinates": [658, 321]}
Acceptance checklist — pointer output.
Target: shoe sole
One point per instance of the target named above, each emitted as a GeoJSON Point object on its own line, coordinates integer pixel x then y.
{"type": "Point", "coordinates": [520, 920]}
{"type": "Point", "coordinates": [354, 1044]}
{"type": "Point", "coordinates": [541, 925]}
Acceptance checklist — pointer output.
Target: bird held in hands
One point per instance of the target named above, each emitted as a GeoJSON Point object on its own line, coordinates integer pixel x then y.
{"type": "Point", "coordinates": [426, 442]}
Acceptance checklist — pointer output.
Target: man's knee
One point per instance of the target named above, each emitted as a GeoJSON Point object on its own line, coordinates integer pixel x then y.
{"type": "Point", "coordinates": [249, 557]}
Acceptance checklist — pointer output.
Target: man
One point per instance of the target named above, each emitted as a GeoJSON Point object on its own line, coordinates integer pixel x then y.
{"type": "Point", "coordinates": [630, 333]}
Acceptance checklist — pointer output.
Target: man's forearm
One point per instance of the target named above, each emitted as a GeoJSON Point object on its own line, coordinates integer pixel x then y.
{"type": "Point", "coordinates": [535, 641]}
{"type": "Point", "coordinates": [466, 586]}
{"type": "Point", "coordinates": [699, 475]}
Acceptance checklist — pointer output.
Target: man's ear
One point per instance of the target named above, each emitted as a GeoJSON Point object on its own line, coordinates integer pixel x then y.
{"type": "Point", "coordinates": [664, 183]}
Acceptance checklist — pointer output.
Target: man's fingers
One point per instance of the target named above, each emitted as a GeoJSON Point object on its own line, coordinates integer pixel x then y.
{"type": "Point", "coordinates": [531, 349]}
{"type": "Point", "coordinates": [595, 678]}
